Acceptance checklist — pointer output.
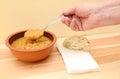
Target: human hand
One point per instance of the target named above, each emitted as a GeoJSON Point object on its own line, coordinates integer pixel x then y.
{"type": "Point", "coordinates": [87, 16]}
{"type": "Point", "coordinates": [81, 16]}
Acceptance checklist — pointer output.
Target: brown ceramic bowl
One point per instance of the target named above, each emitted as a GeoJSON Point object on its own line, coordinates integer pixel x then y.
{"type": "Point", "coordinates": [30, 55]}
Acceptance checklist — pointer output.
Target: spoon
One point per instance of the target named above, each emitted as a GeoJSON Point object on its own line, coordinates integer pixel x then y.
{"type": "Point", "coordinates": [34, 34]}
{"type": "Point", "coordinates": [53, 22]}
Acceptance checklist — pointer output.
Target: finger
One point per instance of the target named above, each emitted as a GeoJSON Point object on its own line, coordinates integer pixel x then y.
{"type": "Point", "coordinates": [63, 19]}
{"type": "Point", "coordinates": [75, 25]}
{"type": "Point", "coordinates": [69, 12]}
{"type": "Point", "coordinates": [78, 24]}
{"type": "Point", "coordinates": [67, 21]}
{"type": "Point", "coordinates": [72, 24]}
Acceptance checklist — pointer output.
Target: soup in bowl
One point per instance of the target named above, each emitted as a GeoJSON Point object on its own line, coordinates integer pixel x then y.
{"type": "Point", "coordinates": [31, 50]}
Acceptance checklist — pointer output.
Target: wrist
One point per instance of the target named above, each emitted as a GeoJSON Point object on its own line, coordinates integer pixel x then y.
{"type": "Point", "coordinates": [109, 16]}
{"type": "Point", "coordinates": [110, 3]}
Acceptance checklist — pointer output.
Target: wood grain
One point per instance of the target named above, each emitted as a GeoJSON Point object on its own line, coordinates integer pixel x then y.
{"type": "Point", "coordinates": [106, 51]}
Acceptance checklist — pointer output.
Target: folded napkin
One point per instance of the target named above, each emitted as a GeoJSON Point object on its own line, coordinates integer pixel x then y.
{"type": "Point", "coordinates": [77, 61]}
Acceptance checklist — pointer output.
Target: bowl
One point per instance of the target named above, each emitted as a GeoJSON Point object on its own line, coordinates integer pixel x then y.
{"type": "Point", "coordinates": [30, 55]}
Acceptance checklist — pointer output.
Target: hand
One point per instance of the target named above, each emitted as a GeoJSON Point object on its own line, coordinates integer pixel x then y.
{"type": "Point", "coordinates": [87, 16]}
{"type": "Point", "coordinates": [81, 16]}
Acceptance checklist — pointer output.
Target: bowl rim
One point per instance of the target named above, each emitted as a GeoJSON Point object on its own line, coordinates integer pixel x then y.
{"type": "Point", "coordinates": [33, 50]}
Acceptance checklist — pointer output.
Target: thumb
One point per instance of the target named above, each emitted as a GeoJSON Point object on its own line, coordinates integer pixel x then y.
{"type": "Point", "coordinates": [69, 12]}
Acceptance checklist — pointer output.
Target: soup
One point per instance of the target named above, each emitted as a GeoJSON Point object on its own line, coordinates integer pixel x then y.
{"type": "Point", "coordinates": [25, 43]}
{"type": "Point", "coordinates": [33, 34]}
{"type": "Point", "coordinates": [33, 39]}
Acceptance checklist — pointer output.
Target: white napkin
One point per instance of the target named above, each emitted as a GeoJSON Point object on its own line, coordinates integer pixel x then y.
{"type": "Point", "coordinates": [77, 61]}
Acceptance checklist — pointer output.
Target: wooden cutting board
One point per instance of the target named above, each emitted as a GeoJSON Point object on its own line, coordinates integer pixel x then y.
{"type": "Point", "coordinates": [106, 51]}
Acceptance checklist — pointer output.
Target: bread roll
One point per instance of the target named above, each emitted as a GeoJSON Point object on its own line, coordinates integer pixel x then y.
{"type": "Point", "coordinates": [77, 43]}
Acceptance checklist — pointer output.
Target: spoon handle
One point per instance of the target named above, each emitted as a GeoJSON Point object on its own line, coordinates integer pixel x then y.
{"type": "Point", "coordinates": [53, 22]}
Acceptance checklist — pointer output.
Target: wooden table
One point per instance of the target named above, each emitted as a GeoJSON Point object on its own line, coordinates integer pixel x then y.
{"type": "Point", "coordinates": [105, 48]}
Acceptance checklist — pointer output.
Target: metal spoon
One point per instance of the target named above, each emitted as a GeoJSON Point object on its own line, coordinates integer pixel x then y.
{"type": "Point", "coordinates": [34, 34]}
{"type": "Point", "coordinates": [53, 22]}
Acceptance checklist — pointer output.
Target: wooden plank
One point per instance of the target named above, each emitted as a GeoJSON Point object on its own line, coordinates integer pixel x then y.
{"type": "Point", "coordinates": [53, 67]}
